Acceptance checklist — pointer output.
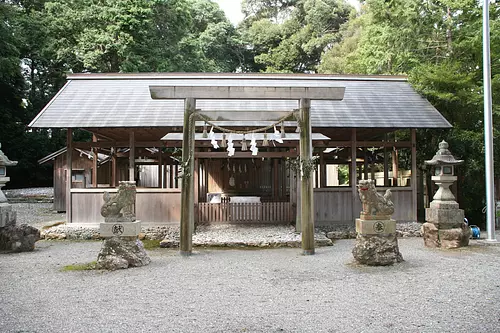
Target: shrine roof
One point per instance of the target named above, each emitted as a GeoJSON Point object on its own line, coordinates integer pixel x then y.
{"type": "Point", "coordinates": [124, 100]}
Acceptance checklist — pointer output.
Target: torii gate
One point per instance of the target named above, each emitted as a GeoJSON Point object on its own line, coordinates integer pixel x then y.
{"type": "Point", "coordinates": [191, 93]}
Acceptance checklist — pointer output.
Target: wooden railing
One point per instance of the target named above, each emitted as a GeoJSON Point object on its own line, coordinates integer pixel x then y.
{"type": "Point", "coordinates": [267, 212]}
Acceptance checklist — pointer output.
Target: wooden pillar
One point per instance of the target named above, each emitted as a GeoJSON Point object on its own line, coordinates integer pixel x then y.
{"type": "Point", "coordinates": [307, 193]}
{"type": "Point", "coordinates": [113, 169]}
{"type": "Point", "coordinates": [386, 163]}
{"type": "Point", "coordinates": [160, 168]}
{"type": "Point", "coordinates": [196, 184]}
{"type": "Point", "coordinates": [322, 170]}
{"type": "Point", "coordinates": [187, 192]}
{"type": "Point", "coordinates": [365, 163]}
{"type": "Point", "coordinates": [395, 167]}
{"type": "Point", "coordinates": [354, 172]}
{"type": "Point", "coordinates": [414, 172]}
{"type": "Point", "coordinates": [95, 156]}
{"type": "Point", "coordinates": [276, 190]}
{"type": "Point", "coordinates": [131, 158]}
{"type": "Point", "coordinates": [69, 171]}
{"type": "Point", "coordinates": [298, 186]}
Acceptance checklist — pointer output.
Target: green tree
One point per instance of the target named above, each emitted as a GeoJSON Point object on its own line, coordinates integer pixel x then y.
{"type": "Point", "coordinates": [438, 44]}
{"type": "Point", "coordinates": [290, 36]}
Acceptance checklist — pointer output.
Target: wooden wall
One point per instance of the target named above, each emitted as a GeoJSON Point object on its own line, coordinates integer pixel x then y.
{"type": "Point", "coordinates": [336, 205]}
{"type": "Point", "coordinates": [153, 205]}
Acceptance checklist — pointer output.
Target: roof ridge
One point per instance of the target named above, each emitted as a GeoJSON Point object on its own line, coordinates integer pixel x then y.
{"type": "Point", "coordinates": [259, 76]}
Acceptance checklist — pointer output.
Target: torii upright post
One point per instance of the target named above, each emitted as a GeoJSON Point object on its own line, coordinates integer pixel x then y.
{"type": "Point", "coordinates": [306, 186]}
{"type": "Point", "coordinates": [187, 194]}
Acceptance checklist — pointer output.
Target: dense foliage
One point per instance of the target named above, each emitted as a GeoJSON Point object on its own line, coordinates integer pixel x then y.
{"type": "Point", "coordinates": [41, 40]}
{"type": "Point", "coordinates": [439, 45]}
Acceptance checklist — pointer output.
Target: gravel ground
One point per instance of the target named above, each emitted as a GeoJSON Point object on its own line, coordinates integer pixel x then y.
{"type": "Point", "coordinates": [275, 290]}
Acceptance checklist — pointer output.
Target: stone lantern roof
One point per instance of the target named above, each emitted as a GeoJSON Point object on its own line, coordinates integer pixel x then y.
{"type": "Point", "coordinates": [4, 160]}
{"type": "Point", "coordinates": [443, 156]}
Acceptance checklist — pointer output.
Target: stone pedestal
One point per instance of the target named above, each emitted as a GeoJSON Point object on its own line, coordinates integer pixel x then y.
{"type": "Point", "coordinates": [445, 226]}
{"type": "Point", "coordinates": [121, 253]}
{"type": "Point", "coordinates": [376, 242]}
{"type": "Point", "coordinates": [15, 238]}
{"type": "Point", "coordinates": [122, 248]}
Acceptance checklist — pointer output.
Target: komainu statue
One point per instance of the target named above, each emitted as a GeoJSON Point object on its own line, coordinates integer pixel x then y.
{"type": "Point", "coordinates": [121, 206]}
{"type": "Point", "coordinates": [374, 204]}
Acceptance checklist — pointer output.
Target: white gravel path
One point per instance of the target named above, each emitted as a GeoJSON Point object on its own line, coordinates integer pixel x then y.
{"type": "Point", "coordinates": [275, 290]}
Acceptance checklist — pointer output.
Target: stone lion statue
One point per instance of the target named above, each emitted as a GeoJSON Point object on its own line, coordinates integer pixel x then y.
{"type": "Point", "coordinates": [120, 207]}
{"type": "Point", "coordinates": [374, 203]}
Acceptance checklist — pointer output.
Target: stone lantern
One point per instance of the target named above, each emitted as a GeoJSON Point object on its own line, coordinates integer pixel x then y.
{"type": "Point", "coordinates": [4, 163]}
{"type": "Point", "coordinates": [444, 225]}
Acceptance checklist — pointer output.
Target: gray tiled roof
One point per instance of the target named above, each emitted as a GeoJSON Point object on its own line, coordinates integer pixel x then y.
{"type": "Point", "coordinates": [123, 100]}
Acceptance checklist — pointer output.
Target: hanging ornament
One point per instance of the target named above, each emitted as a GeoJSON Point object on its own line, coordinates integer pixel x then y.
{"type": "Point", "coordinates": [211, 135]}
{"type": "Point", "coordinates": [277, 135]}
{"type": "Point", "coordinates": [253, 147]}
{"type": "Point", "coordinates": [244, 144]}
{"type": "Point", "coordinates": [265, 142]}
{"type": "Point", "coordinates": [223, 142]}
{"type": "Point", "coordinates": [230, 146]}
{"type": "Point", "coordinates": [205, 134]}
{"type": "Point", "coordinates": [283, 129]}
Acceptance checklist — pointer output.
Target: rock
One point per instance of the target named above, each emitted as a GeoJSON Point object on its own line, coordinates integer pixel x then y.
{"type": "Point", "coordinates": [121, 253]}
{"type": "Point", "coordinates": [166, 243]}
{"type": "Point", "coordinates": [20, 238]}
{"type": "Point", "coordinates": [445, 238]}
{"type": "Point", "coordinates": [430, 232]}
{"type": "Point", "coordinates": [142, 236]}
{"type": "Point", "coordinates": [374, 250]}
{"type": "Point", "coordinates": [455, 237]}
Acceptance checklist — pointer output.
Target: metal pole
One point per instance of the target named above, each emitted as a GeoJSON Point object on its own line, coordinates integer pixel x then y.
{"type": "Point", "coordinates": [488, 125]}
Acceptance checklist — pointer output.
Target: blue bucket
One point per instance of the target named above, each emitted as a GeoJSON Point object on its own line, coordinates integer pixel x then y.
{"type": "Point", "coordinates": [475, 231]}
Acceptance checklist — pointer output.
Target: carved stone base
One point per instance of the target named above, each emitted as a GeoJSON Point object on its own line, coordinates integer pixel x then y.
{"type": "Point", "coordinates": [452, 238]}
{"type": "Point", "coordinates": [21, 238]}
{"type": "Point", "coordinates": [376, 243]}
{"type": "Point", "coordinates": [376, 250]}
{"type": "Point", "coordinates": [121, 253]}
{"type": "Point", "coordinates": [125, 229]}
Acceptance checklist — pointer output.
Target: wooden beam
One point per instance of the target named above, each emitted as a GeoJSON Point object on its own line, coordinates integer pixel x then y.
{"type": "Point", "coordinates": [245, 154]}
{"type": "Point", "coordinates": [246, 92]}
{"type": "Point", "coordinates": [110, 144]}
{"type": "Point", "coordinates": [414, 185]}
{"type": "Point", "coordinates": [187, 192]}
{"type": "Point", "coordinates": [307, 200]}
{"type": "Point", "coordinates": [69, 171]}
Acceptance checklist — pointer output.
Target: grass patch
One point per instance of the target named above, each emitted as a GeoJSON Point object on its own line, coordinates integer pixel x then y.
{"type": "Point", "coordinates": [80, 267]}
{"type": "Point", "coordinates": [55, 224]}
{"type": "Point", "coordinates": [151, 244]}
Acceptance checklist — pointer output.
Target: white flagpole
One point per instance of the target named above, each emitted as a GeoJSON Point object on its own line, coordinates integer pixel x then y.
{"type": "Point", "coordinates": [488, 125]}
